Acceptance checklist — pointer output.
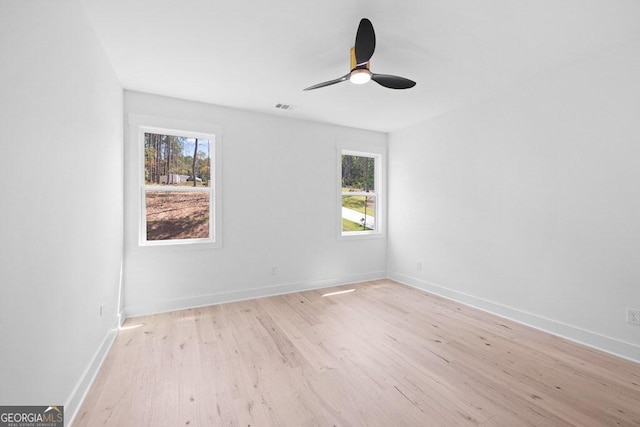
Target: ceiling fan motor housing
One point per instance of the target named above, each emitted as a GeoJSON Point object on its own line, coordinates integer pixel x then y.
{"type": "Point", "coordinates": [359, 73]}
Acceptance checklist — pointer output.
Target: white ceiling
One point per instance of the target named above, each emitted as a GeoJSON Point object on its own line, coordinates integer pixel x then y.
{"type": "Point", "coordinates": [253, 54]}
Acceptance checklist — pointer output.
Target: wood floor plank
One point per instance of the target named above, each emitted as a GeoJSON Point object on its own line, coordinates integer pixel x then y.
{"type": "Point", "coordinates": [384, 354]}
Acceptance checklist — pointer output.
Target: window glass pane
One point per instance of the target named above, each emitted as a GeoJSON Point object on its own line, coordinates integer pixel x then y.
{"type": "Point", "coordinates": [358, 173]}
{"type": "Point", "coordinates": [176, 160]}
{"type": "Point", "coordinates": [358, 213]}
{"type": "Point", "coordinates": [175, 215]}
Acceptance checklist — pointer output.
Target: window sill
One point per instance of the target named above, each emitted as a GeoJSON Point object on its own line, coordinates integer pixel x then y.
{"type": "Point", "coordinates": [185, 245]}
{"type": "Point", "coordinates": [359, 235]}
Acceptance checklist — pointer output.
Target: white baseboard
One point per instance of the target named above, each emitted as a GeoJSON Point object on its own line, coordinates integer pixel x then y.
{"type": "Point", "coordinates": [610, 345]}
{"type": "Point", "coordinates": [73, 403]}
{"type": "Point", "coordinates": [155, 307]}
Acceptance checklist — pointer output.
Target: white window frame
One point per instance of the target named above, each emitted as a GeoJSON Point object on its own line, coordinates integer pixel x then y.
{"type": "Point", "coordinates": [141, 124]}
{"type": "Point", "coordinates": [379, 154]}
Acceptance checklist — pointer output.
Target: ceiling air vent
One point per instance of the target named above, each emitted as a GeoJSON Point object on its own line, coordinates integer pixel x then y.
{"type": "Point", "coordinates": [284, 107]}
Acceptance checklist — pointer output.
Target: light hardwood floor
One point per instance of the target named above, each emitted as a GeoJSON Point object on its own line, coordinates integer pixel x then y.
{"type": "Point", "coordinates": [383, 355]}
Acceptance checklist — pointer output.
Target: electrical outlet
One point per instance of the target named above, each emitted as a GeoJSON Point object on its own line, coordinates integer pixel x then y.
{"type": "Point", "coordinates": [274, 270]}
{"type": "Point", "coordinates": [633, 316]}
{"type": "Point", "coordinates": [418, 265]}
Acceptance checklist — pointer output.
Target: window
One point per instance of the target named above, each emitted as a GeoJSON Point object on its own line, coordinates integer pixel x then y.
{"type": "Point", "coordinates": [360, 193]}
{"type": "Point", "coordinates": [180, 188]}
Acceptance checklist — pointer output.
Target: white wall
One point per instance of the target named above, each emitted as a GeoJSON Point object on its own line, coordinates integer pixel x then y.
{"type": "Point", "coordinates": [528, 203]}
{"type": "Point", "coordinates": [61, 198]}
{"type": "Point", "coordinates": [279, 210]}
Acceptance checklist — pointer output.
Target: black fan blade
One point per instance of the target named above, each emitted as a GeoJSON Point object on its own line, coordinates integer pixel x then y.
{"type": "Point", "coordinates": [392, 82]}
{"type": "Point", "coordinates": [365, 41]}
{"type": "Point", "coordinates": [329, 83]}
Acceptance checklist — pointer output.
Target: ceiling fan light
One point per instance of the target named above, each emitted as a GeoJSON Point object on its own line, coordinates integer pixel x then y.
{"type": "Point", "coordinates": [360, 76]}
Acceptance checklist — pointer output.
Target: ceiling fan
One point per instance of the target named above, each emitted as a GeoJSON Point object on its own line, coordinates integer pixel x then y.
{"type": "Point", "coordinates": [361, 55]}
